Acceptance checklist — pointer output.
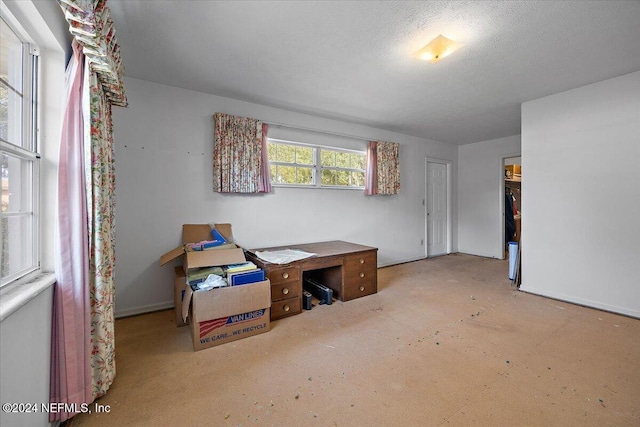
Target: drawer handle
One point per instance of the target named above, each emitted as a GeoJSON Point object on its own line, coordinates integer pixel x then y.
{"type": "Point", "coordinates": [285, 291]}
{"type": "Point", "coordinates": [361, 288]}
{"type": "Point", "coordinates": [361, 261]}
{"type": "Point", "coordinates": [285, 275]}
{"type": "Point", "coordinates": [287, 308]}
{"type": "Point", "coordinates": [361, 275]}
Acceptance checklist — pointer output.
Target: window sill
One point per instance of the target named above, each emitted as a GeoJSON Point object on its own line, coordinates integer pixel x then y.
{"type": "Point", "coordinates": [17, 295]}
{"type": "Point", "coordinates": [324, 187]}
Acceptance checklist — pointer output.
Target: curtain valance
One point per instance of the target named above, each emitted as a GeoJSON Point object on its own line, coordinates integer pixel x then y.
{"type": "Point", "coordinates": [91, 25]}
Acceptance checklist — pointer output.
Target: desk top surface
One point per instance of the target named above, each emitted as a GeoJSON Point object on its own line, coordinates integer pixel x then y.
{"type": "Point", "coordinates": [323, 249]}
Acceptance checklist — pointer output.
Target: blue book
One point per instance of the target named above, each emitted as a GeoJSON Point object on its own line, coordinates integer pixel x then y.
{"type": "Point", "coordinates": [246, 277]}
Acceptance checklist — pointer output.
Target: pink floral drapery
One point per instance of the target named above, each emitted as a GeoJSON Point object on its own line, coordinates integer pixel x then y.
{"type": "Point", "coordinates": [91, 26]}
{"type": "Point", "coordinates": [86, 314]}
{"type": "Point", "coordinates": [240, 163]}
{"type": "Point", "coordinates": [100, 188]}
{"type": "Point", "coordinates": [383, 168]}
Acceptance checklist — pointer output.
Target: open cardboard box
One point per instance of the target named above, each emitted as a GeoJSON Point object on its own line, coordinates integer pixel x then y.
{"type": "Point", "coordinates": [220, 315]}
{"type": "Point", "coordinates": [227, 314]}
{"type": "Point", "coordinates": [192, 233]}
{"type": "Point", "coordinates": [179, 289]}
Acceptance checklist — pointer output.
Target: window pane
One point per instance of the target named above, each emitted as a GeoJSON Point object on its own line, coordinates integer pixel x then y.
{"type": "Point", "coordinates": [286, 153]}
{"type": "Point", "coordinates": [343, 178]}
{"type": "Point", "coordinates": [16, 184]}
{"type": "Point", "coordinates": [328, 177]}
{"type": "Point", "coordinates": [286, 175]}
{"type": "Point", "coordinates": [11, 56]}
{"type": "Point", "coordinates": [10, 85]}
{"type": "Point", "coordinates": [305, 176]}
{"type": "Point", "coordinates": [304, 155]}
{"type": "Point", "coordinates": [342, 160]}
{"type": "Point", "coordinates": [328, 158]}
{"type": "Point", "coordinates": [357, 161]}
{"type": "Point", "coordinates": [357, 179]}
{"type": "Point", "coordinates": [17, 244]}
{"type": "Point", "coordinates": [291, 175]}
{"type": "Point", "coordinates": [272, 149]}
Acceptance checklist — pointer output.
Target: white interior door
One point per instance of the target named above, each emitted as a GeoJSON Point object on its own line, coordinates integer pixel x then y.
{"type": "Point", "coordinates": [436, 209]}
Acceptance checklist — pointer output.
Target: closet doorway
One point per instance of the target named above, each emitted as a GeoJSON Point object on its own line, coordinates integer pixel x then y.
{"type": "Point", "coordinates": [512, 214]}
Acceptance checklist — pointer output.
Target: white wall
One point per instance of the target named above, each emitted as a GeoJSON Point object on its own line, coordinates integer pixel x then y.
{"type": "Point", "coordinates": [480, 200]}
{"type": "Point", "coordinates": [581, 230]}
{"type": "Point", "coordinates": [164, 175]}
{"type": "Point", "coordinates": [25, 347]}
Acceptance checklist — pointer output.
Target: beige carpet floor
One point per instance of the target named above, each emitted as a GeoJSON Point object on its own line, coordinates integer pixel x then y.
{"type": "Point", "coordinates": [445, 341]}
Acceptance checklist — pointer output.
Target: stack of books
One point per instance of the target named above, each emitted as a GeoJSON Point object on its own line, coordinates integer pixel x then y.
{"type": "Point", "coordinates": [199, 275]}
{"type": "Point", "coordinates": [243, 273]}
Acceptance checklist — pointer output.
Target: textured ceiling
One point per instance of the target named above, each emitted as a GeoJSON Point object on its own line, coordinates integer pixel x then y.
{"type": "Point", "coordinates": [351, 60]}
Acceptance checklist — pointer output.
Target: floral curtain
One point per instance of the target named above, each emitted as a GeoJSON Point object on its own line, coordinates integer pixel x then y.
{"type": "Point", "coordinates": [100, 187]}
{"type": "Point", "coordinates": [99, 87]}
{"type": "Point", "coordinates": [91, 26]}
{"type": "Point", "coordinates": [383, 168]}
{"type": "Point", "coordinates": [239, 155]}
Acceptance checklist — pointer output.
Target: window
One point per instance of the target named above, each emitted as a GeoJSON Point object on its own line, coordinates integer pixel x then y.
{"type": "Point", "coordinates": [18, 152]}
{"type": "Point", "coordinates": [291, 163]}
{"type": "Point", "coordinates": [342, 168]}
{"type": "Point", "coordinates": [298, 164]}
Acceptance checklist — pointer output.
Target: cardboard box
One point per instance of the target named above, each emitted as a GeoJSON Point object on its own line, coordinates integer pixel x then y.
{"type": "Point", "coordinates": [219, 315]}
{"type": "Point", "coordinates": [179, 289]}
{"type": "Point", "coordinates": [228, 314]}
{"type": "Point", "coordinates": [194, 233]}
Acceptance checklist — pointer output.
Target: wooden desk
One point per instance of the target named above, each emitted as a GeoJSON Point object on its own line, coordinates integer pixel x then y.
{"type": "Point", "coordinates": [350, 270]}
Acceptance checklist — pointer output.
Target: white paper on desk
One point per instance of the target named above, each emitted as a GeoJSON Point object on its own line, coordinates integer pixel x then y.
{"type": "Point", "coordinates": [284, 256]}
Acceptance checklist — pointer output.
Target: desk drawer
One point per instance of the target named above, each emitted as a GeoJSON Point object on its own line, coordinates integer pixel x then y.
{"type": "Point", "coordinates": [361, 275]}
{"type": "Point", "coordinates": [286, 307]}
{"type": "Point", "coordinates": [359, 269]}
{"type": "Point", "coordinates": [365, 261]}
{"type": "Point", "coordinates": [324, 262]}
{"type": "Point", "coordinates": [284, 274]}
{"type": "Point", "coordinates": [360, 288]}
{"type": "Point", "coordinates": [285, 290]}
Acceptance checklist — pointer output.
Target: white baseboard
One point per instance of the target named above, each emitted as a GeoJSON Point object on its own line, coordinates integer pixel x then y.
{"type": "Point", "coordinates": [143, 309]}
{"type": "Point", "coordinates": [462, 251]}
{"type": "Point", "coordinates": [584, 302]}
{"type": "Point", "coordinates": [401, 261]}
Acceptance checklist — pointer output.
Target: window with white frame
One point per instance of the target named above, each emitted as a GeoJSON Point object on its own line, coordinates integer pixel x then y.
{"type": "Point", "coordinates": [304, 165]}
{"type": "Point", "coordinates": [18, 151]}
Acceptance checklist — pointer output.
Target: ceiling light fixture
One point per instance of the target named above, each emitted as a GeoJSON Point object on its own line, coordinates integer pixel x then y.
{"type": "Point", "coordinates": [438, 48]}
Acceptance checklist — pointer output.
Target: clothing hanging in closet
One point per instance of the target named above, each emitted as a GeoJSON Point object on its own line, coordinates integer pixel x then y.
{"type": "Point", "coordinates": [509, 220]}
